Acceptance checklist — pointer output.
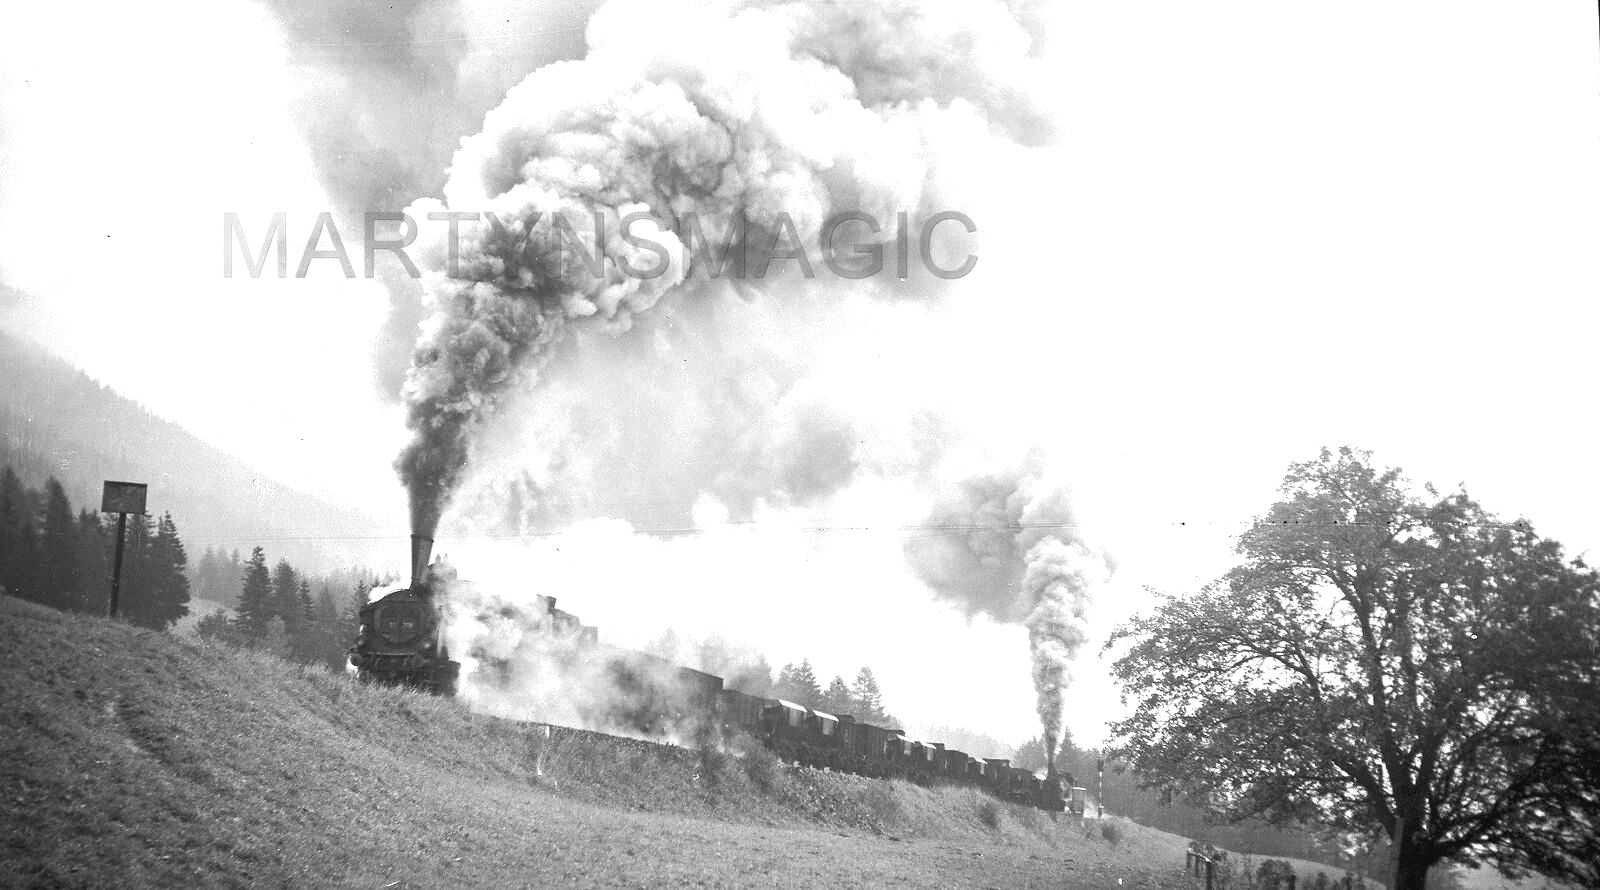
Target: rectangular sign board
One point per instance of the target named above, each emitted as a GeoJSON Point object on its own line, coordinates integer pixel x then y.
{"type": "Point", "coordinates": [123, 497]}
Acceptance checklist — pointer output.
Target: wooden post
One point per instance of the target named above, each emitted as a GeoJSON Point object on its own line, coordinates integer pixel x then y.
{"type": "Point", "coordinates": [1211, 867]}
{"type": "Point", "coordinates": [121, 498]}
{"type": "Point", "coordinates": [116, 564]}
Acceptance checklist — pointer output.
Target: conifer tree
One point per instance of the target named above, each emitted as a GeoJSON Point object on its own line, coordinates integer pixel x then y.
{"type": "Point", "coordinates": [255, 597]}
{"type": "Point", "coordinates": [868, 698]}
{"type": "Point", "coordinates": [135, 562]}
{"type": "Point", "coordinates": [286, 597]}
{"type": "Point", "coordinates": [331, 644]}
{"type": "Point", "coordinates": [306, 644]}
{"type": "Point", "coordinates": [803, 685]}
{"type": "Point", "coordinates": [216, 577]}
{"type": "Point", "coordinates": [163, 593]}
{"type": "Point", "coordinates": [18, 536]}
{"type": "Point", "coordinates": [58, 549]}
{"type": "Point", "coordinates": [836, 700]}
{"type": "Point", "coordinates": [93, 584]}
{"type": "Point", "coordinates": [307, 607]}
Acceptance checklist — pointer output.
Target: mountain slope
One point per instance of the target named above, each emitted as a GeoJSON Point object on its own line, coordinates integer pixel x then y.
{"type": "Point", "coordinates": [56, 420]}
{"type": "Point", "coordinates": [134, 758]}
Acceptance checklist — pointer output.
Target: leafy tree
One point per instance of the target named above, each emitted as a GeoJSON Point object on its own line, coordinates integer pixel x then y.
{"type": "Point", "coordinates": [1379, 656]}
{"type": "Point", "coordinates": [58, 549]}
{"type": "Point", "coordinates": [868, 704]}
{"type": "Point", "coordinates": [255, 597]}
{"type": "Point", "coordinates": [836, 698]}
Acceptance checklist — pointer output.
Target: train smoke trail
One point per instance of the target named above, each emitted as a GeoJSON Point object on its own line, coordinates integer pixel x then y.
{"type": "Point", "coordinates": [725, 110]}
{"type": "Point", "coordinates": [1007, 545]}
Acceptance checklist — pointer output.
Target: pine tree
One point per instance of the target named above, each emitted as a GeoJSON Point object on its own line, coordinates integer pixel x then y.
{"type": "Point", "coordinates": [307, 607]}
{"type": "Point", "coordinates": [19, 537]}
{"type": "Point", "coordinates": [286, 597]}
{"type": "Point", "coordinates": [255, 597]}
{"type": "Point", "coordinates": [234, 587]}
{"type": "Point", "coordinates": [803, 687]}
{"type": "Point", "coordinates": [216, 578]}
{"type": "Point", "coordinates": [350, 618]}
{"type": "Point", "coordinates": [93, 586]}
{"type": "Point", "coordinates": [163, 595]}
{"type": "Point", "coordinates": [867, 697]}
{"type": "Point", "coordinates": [306, 644]}
{"type": "Point", "coordinates": [58, 549]}
{"type": "Point", "coordinates": [136, 564]}
{"type": "Point", "coordinates": [330, 642]}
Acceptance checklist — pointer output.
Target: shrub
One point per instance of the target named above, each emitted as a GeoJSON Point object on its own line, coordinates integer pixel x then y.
{"type": "Point", "coordinates": [1273, 874]}
{"type": "Point", "coordinates": [763, 769]}
{"type": "Point", "coordinates": [1111, 831]}
{"type": "Point", "coordinates": [713, 766]}
{"type": "Point", "coordinates": [882, 802]}
{"type": "Point", "coordinates": [989, 813]}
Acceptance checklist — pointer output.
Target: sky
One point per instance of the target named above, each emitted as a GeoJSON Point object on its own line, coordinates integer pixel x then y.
{"type": "Point", "coordinates": [1261, 229]}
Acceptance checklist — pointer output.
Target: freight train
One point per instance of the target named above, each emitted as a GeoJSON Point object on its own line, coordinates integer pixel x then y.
{"type": "Point", "coordinates": [400, 643]}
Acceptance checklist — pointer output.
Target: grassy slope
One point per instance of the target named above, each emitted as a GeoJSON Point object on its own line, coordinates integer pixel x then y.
{"type": "Point", "coordinates": [139, 759]}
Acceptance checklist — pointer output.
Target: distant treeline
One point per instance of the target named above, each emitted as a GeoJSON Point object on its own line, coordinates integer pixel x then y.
{"type": "Point", "coordinates": [277, 611]}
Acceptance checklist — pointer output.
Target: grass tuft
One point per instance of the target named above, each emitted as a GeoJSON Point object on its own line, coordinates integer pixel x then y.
{"type": "Point", "coordinates": [989, 813]}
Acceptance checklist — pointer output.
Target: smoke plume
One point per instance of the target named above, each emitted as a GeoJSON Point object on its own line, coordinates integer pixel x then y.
{"type": "Point", "coordinates": [755, 111]}
{"type": "Point", "coordinates": [1007, 545]}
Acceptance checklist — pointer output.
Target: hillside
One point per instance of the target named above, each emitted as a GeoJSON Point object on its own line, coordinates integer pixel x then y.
{"type": "Point", "coordinates": [56, 420]}
{"type": "Point", "coordinates": [135, 758]}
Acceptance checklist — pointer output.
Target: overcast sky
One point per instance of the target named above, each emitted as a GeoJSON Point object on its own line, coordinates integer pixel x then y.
{"type": "Point", "coordinates": [1265, 228]}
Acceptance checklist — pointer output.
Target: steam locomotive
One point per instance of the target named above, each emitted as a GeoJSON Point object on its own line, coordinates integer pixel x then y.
{"type": "Point", "coordinates": [400, 643]}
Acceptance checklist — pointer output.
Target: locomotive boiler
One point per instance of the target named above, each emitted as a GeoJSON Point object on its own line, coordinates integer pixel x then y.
{"type": "Point", "coordinates": [401, 642]}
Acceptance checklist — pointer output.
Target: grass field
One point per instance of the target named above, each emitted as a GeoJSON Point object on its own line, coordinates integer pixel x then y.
{"type": "Point", "coordinates": [133, 758]}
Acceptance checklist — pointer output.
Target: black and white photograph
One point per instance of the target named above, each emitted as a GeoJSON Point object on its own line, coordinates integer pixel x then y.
{"type": "Point", "coordinates": [800, 443]}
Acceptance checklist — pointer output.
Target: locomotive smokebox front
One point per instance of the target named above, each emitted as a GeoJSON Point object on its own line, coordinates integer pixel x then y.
{"type": "Point", "coordinates": [421, 551]}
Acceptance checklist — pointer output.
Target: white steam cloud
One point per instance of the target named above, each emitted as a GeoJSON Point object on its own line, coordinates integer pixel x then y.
{"type": "Point", "coordinates": [1007, 545]}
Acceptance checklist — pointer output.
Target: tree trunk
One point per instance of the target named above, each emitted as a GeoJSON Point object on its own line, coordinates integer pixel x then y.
{"type": "Point", "coordinates": [1412, 873]}
{"type": "Point", "coordinates": [1411, 862]}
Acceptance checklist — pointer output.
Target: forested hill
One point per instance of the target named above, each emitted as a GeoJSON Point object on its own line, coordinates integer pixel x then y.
{"type": "Point", "coordinates": [57, 421]}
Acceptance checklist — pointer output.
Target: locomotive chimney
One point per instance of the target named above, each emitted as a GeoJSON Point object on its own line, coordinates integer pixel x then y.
{"type": "Point", "coordinates": [421, 550]}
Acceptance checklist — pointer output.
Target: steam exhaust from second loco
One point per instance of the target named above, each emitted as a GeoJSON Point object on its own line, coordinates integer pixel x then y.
{"type": "Point", "coordinates": [1011, 550]}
